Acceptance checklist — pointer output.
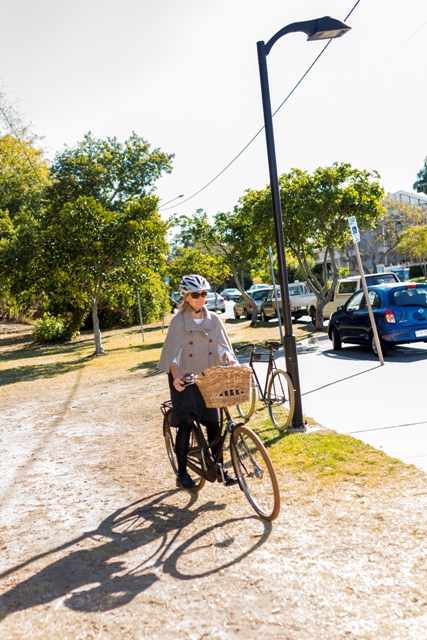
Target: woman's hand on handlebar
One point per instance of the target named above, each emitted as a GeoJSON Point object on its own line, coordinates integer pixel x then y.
{"type": "Point", "coordinates": [178, 380]}
{"type": "Point", "coordinates": [179, 383]}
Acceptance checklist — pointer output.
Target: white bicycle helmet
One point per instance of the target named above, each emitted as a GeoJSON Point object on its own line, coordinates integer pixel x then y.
{"type": "Point", "coordinates": [193, 282]}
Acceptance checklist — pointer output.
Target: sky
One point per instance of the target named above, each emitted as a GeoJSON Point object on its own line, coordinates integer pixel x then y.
{"type": "Point", "coordinates": [183, 74]}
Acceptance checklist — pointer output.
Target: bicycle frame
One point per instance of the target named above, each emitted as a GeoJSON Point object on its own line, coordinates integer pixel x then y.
{"type": "Point", "coordinates": [209, 463]}
{"type": "Point", "coordinates": [266, 357]}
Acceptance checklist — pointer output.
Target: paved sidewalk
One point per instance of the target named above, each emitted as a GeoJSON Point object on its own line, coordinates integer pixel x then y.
{"type": "Point", "coordinates": [350, 392]}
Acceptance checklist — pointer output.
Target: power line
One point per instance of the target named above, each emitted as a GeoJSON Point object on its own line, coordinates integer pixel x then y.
{"type": "Point", "coordinates": [262, 128]}
{"type": "Point", "coordinates": [403, 43]}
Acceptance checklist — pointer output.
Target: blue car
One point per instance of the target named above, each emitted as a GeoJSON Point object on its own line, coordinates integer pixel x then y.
{"type": "Point", "coordinates": [400, 312]}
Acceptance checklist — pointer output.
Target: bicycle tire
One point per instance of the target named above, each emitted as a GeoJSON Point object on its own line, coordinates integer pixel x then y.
{"type": "Point", "coordinates": [246, 409]}
{"type": "Point", "coordinates": [280, 399]}
{"type": "Point", "coordinates": [194, 452]}
{"type": "Point", "coordinates": [255, 472]}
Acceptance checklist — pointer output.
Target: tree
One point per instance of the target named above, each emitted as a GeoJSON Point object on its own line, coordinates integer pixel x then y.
{"type": "Point", "coordinates": [316, 208]}
{"type": "Point", "coordinates": [85, 250]}
{"type": "Point", "coordinates": [101, 229]}
{"type": "Point", "coordinates": [231, 235]}
{"type": "Point", "coordinates": [421, 184]}
{"type": "Point", "coordinates": [413, 243]}
{"type": "Point", "coordinates": [380, 245]}
{"type": "Point", "coordinates": [23, 175]}
{"type": "Point", "coordinates": [191, 260]}
{"type": "Point", "coordinates": [111, 172]}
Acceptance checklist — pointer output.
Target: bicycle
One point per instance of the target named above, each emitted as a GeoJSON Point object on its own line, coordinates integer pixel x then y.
{"type": "Point", "coordinates": [252, 466]}
{"type": "Point", "coordinates": [278, 392]}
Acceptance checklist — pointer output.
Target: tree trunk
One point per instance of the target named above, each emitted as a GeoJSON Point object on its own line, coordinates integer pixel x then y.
{"type": "Point", "coordinates": [99, 351]}
{"type": "Point", "coordinates": [320, 305]}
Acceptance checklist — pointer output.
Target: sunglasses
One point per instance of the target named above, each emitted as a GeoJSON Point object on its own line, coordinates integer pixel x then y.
{"type": "Point", "coordinates": [197, 294]}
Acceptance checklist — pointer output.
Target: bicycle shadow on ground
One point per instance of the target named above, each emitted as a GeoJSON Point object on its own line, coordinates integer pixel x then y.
{"type": "Point", "coordinates": [128, 553]}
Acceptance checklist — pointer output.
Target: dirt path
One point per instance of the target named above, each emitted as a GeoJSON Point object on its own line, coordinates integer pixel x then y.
{"type": "Point", "coordinates": [97, 543]}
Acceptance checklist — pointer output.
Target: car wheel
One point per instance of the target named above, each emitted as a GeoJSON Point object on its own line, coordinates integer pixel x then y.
{"type": "Point", "coordinates": [336, 340]}
{"type": "Point", "coordinates": [247, 315]}
{"type": "Point", "coordinates": [384, 347]}
{"type": "Point", "coordinates": [236, 315]}
{"type": "Point", "coordinates": [264, 318]}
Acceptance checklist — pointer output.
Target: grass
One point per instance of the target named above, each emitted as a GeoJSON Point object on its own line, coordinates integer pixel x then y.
{"type": "Point", "coordinates": [324, 456]}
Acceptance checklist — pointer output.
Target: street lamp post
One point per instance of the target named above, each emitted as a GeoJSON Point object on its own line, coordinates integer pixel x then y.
{"type": "Point", "coordinates": [319, 29]}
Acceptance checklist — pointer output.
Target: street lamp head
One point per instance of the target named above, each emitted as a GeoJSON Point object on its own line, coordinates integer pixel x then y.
{"type": "Point", "coordinates": [327, 28]}
{"type": "Point", "coordinates": [318, 29]}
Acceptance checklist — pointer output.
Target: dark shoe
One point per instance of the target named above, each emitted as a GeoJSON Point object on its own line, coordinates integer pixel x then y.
{"type": "Point", "coordinates": [185, 482]}
{"type": "Point", "coordinates": [228, 480]}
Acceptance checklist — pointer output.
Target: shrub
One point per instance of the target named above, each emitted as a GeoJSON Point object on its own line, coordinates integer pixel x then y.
{"type": "Point", "coordinates": [49, 329]}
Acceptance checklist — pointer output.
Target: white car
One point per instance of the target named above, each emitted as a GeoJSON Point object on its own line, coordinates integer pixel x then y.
{"type": "Point", "coordinates": [231, 294]}
{"type": "Point", "coordinates": [259, 286]}
{"type": "Point", "coordinates": [212, 306]}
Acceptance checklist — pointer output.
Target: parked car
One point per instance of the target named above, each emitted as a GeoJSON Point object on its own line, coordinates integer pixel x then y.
{"type": "Point", "coordinates": [218, 306]}
{"type": "Point", "coordinates": [345, 288]}
{"type": "Point", "coordinates": [231, 294]}
{"type": "Point", "coordinates": [258, 286]}
{"type": "Point", "coordinates": [299, 297]}
{"type": "Point", "coordinates": [175, 300]}
{"type": "Point", "coordinates": [400, 312]}
{"type": "Point", "coordinates": [244, 307]}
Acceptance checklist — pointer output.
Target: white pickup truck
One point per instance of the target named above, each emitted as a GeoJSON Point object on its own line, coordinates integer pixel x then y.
{"type": "Point", "coordinates": [299, 297]}
{"type": "Point", "coordinates": [345, 288]}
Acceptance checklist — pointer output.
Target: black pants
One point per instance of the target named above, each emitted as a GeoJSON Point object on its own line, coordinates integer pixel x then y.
{"type": "Point", "coordinates": [183, 438]}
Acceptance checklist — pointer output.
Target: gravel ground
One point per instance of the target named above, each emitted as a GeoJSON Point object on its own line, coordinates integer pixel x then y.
{"type": "Point", "coordinates": [96, 542]}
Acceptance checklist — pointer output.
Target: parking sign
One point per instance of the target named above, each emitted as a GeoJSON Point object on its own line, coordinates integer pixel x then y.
{"type": "Point", "coordinates": [355, 236]}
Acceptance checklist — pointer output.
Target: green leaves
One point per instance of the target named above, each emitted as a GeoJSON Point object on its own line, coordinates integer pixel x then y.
{"type": "Point", "coordinates": [111, 172]}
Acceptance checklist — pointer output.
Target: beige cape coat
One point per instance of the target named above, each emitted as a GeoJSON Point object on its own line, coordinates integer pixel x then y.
{"type": "Point", "coordinates": [200, 343]}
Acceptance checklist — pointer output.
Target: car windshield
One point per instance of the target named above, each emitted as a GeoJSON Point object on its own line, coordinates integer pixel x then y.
{"type": "Point", "coordinates": [295, 291]}
{"type": "Point", "coordinates": [259, 294]}
{"type": "Point", "coordinates": [411, 296]}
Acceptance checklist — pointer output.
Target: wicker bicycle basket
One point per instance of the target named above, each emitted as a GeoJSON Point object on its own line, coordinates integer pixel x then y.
{"type": "Point", "coordinates": [225, 386]}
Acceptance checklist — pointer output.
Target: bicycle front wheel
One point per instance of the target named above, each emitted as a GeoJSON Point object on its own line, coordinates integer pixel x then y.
{"type": "Point", "coordinates": [246, 409]}
{"type": "Point", "coordinates": [280, 399]}
{"type": "Point", "coordinates": [194, 457]}
{"type": "Point", "coordinates": [255, 472]}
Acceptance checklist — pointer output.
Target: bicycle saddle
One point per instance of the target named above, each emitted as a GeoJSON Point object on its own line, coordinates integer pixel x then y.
{"type": "Point", "coordinates": [273, 344]}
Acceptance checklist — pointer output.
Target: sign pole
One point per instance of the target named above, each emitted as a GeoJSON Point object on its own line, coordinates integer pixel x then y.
{"type": "Point", "coordinates": [356, 239]}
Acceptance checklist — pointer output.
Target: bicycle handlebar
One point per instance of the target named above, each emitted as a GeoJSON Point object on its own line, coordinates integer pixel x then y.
{"type": "Point", "coordinates": [270, 345]}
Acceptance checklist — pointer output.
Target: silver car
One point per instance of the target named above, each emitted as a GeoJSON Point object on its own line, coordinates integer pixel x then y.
{"type": "Point", "coordinates": [231, 294]}
{"type": "Point", "coordinates": [244, 308]}
{"type": "Point", "coordinates": [219, 305]}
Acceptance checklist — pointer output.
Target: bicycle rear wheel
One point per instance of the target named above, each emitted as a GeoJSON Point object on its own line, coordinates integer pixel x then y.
{"type": "Point", "coordinates": [280, 399]}
{"type": "Point", "coordinates": [246, 409]}
{"type": "Point", "coordinates": [194, 458]}
{"type": "Point", "coordinates": [255, 472]}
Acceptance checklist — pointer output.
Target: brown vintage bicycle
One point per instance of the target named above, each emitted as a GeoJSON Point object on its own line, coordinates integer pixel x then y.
{"type": "Point", "coordinates": [222, 387]}
{"type": "Point", "coordinates": [277, 393]}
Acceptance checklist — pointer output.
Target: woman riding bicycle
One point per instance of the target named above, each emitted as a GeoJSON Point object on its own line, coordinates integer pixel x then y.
{"type": "Point", "coordinates": [196, 341]}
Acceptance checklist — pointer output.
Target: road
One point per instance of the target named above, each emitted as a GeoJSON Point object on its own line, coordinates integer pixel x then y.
{"type": "Point", "coordinates": [350, 392]}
